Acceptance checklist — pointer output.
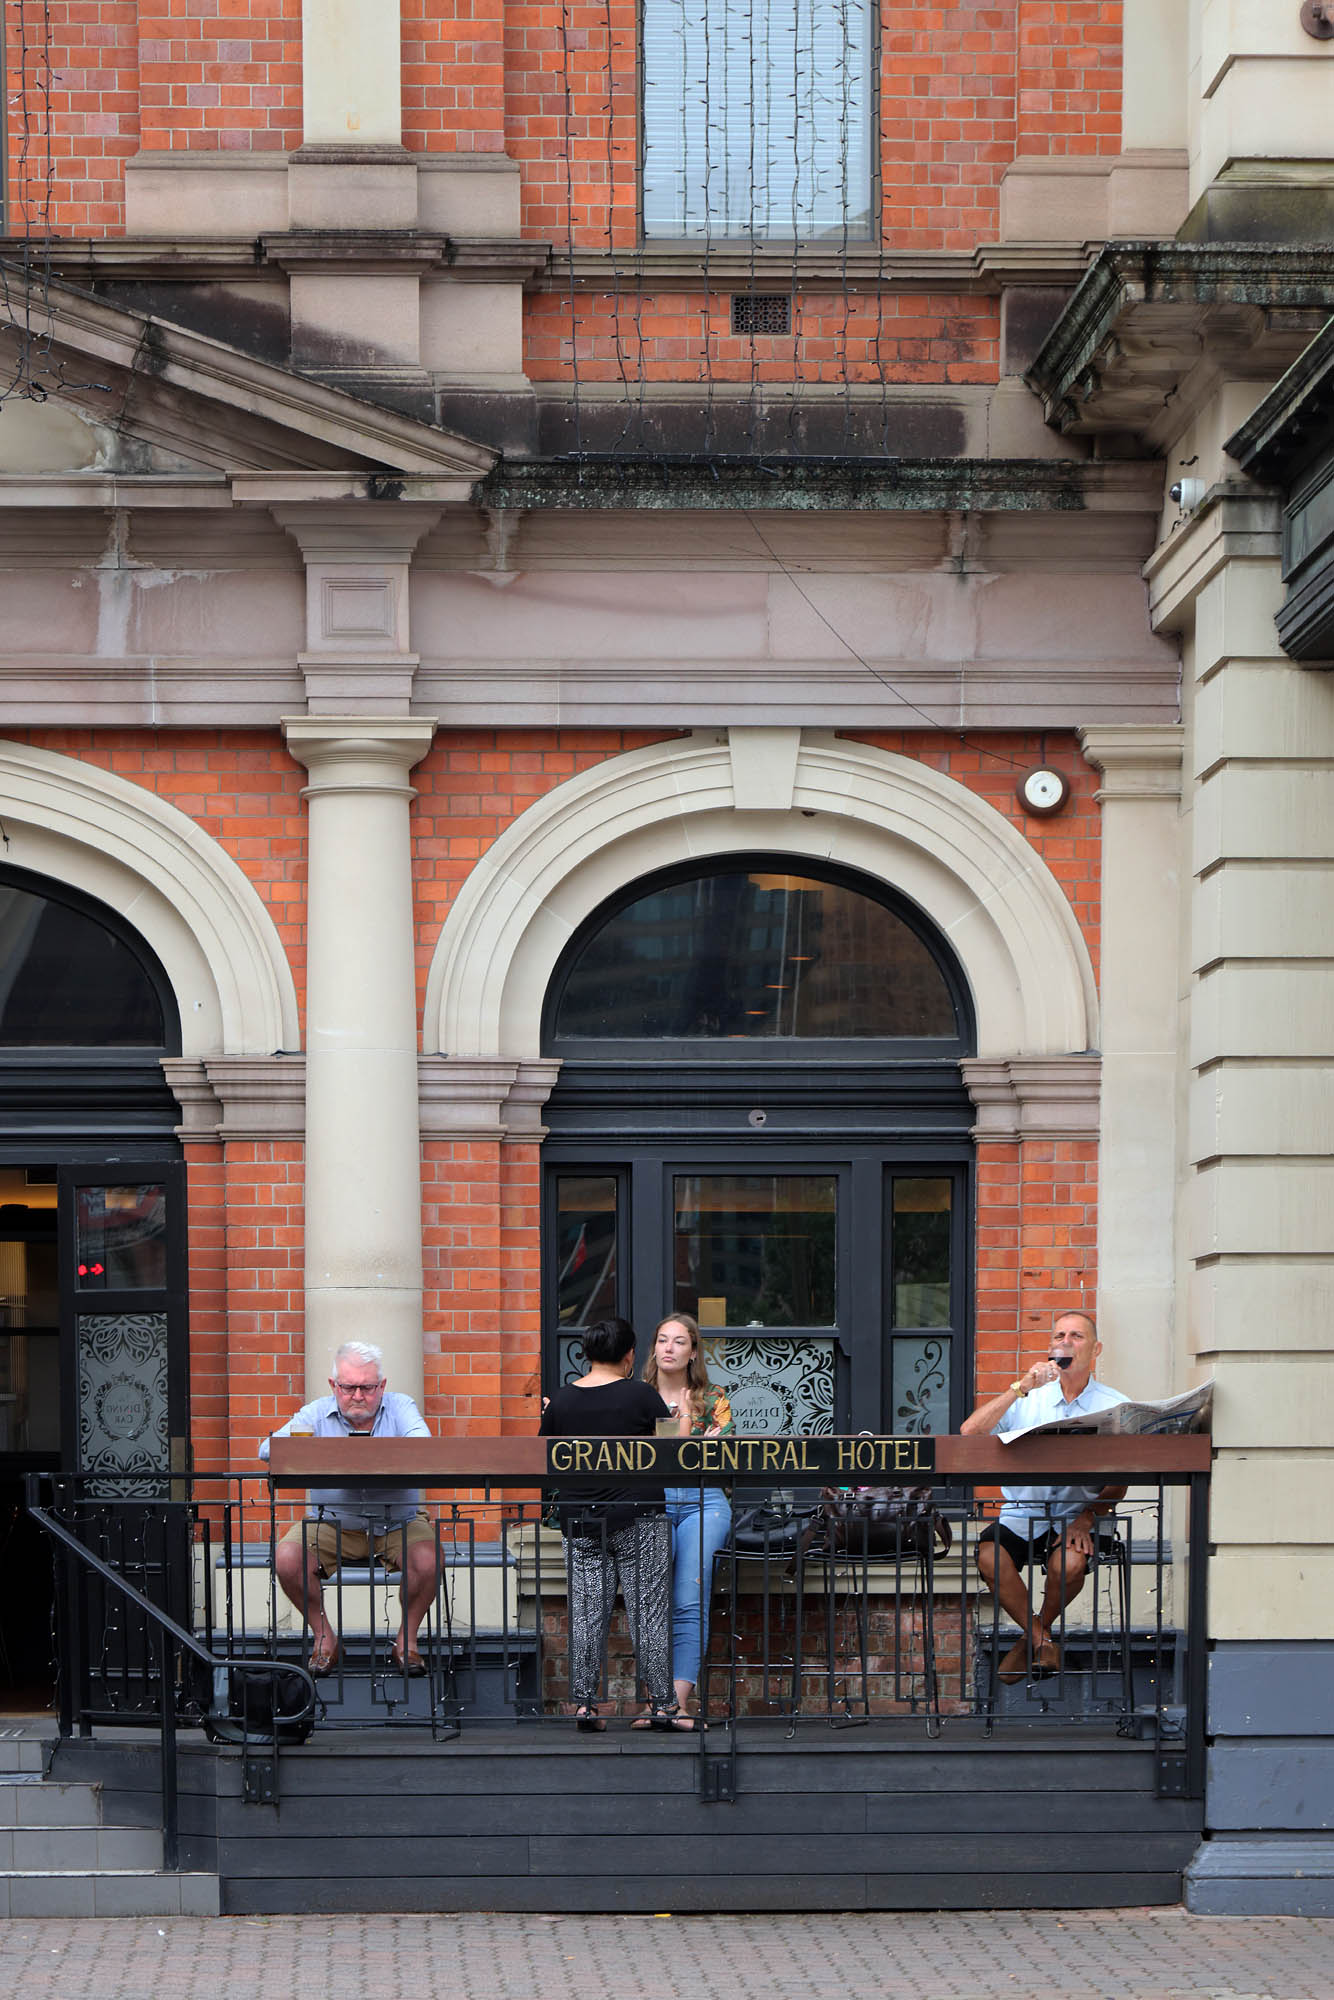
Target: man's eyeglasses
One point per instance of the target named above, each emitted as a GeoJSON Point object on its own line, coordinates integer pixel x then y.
{"type": "Point", "coordinates": [359, 1388]}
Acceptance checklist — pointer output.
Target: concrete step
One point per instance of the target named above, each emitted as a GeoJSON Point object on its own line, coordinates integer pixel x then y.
{"type": "Point", "coordinates": [28, 1799]}
{"type": "Point", "coordinates": [67, 1849]}
{"type": "Point", "coordinates": [21, 1746]}
{"type": "Point", "coordinates": [115, 1892]}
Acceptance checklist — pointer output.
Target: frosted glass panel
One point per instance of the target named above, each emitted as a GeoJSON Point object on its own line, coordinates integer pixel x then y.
{"type": "Point", "coordinates": [920, 1386]}
{"type": "Point", "coordinates": [123, 1392]}
{"type": "Point", "coordinates": [776, 1386]}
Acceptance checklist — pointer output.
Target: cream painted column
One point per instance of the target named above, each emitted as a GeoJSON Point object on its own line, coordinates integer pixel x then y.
{"type": "Point", "coordinates": [363, 1155]}
{"type": "Point", "coordinates": [350, 73]}
{"type": "Point", "coordinates": [1140, 798]}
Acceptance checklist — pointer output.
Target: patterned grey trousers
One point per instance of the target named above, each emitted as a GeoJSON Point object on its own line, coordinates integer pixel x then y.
{"type": "Point", "coordinates": [638, 1557]}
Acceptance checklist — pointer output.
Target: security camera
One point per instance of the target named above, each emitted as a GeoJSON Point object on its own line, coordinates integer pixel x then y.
{"type": "Point", "coordinates": [1187, 493]}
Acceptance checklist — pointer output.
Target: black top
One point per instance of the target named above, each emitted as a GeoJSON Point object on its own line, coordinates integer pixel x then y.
{"type": "Point", "coordinates": [610, 1410]}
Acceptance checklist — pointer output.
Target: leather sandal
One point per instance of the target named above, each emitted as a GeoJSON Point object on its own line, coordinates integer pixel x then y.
{"type": "Point", "coordinates": [589, 1721]}
{"type": "Point", "coordinates": [409, 1662]}
{"type": "Point", "coordinates": [323, 1657]}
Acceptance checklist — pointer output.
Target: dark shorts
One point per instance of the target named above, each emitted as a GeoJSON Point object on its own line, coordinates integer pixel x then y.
{"type": "Point", "coordinates": [1020, 1551]}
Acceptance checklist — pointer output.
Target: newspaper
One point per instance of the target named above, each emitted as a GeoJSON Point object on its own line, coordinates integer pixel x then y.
{"type": "Point", "coordinates": [1190, 1411]}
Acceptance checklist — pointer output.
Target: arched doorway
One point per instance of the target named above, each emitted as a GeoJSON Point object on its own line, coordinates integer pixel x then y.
{"type": "Point", "coordinates": [93, 1370]}
{"type": "Point", "coordinates": [760, 1119]}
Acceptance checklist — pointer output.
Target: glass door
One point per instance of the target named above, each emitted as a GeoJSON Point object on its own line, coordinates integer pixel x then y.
{"type": "Point", "coordinates": [755, 1259]}
{"type": "Point", "coordinates": [123, 1297]}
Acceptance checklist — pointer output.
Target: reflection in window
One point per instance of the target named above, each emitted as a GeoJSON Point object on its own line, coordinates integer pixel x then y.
{"type": "Point", "coordinates": [585, 1248]}
{"type": "Point", "coordinates": [755, 1249]}
{"type": "Point", "coordinates": [67, 982]}
{"type": "Point", "coordinates": [755, 953]}
{"type": "Point", "coordinates": [921, 1257]}
{"type": "Point", "coordinates": [121, 1238]}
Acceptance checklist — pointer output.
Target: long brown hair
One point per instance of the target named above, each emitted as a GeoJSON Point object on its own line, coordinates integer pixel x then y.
{"type": "Point", "coordinates": [697, 1372]}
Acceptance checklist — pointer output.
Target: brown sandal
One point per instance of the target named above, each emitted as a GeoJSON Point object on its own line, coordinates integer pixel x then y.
{"type": "Point", "coordinates": [323, 1657]}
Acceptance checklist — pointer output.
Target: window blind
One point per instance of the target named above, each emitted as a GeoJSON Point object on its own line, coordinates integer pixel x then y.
{"type": "Point", "coordinates": [757, 118]}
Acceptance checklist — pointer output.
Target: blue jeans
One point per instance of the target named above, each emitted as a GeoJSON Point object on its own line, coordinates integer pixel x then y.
{"type": "Point", "coordinates": [701, 1523]}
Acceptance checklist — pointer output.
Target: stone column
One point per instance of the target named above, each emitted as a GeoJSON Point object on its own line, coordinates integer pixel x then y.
{"type": "Point", "coordinates": [363, 1170]}
{"type": "Point", "coordinates": [1137, 1150]}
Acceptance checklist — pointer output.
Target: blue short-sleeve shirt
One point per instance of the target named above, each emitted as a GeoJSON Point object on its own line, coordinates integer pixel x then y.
{"type": "Point", "coordinates": [1050, 1506]}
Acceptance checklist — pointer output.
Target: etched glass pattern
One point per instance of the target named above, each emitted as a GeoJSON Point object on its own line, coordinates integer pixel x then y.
{"type": "Point", "coordinates": [775, 1386]}
{"type": "Point", "coordinates": [920, 1385]}
{"type": "Point", "coordinates": [123, 1392]}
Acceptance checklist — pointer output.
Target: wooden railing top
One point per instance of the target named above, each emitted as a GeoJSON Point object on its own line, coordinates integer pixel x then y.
{"type": "Point", "coordinates": [476, 1461]}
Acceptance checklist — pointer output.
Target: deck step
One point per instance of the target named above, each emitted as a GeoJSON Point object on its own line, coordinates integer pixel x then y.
{"type": "Point", "coordinates": [27, 1799]}
{"type": "Point", "coordinates": [110, 1892]}
{"type": "Point", "coordinates": [37, 1849]}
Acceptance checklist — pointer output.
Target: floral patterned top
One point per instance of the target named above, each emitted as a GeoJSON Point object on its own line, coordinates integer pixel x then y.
{"type": "Point", "coordinates": [717, 1410]}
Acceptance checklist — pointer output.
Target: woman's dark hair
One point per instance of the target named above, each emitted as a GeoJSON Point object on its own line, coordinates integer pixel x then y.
{"type": "Point", "coordinates": [608, 1340]}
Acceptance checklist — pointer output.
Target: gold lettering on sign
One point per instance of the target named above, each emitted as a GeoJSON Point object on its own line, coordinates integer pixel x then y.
{"type": "Point", "coordinates": [708, 1455]}
{"type": "Point", "coordinates": [770, 1452]}
{"type": "Point", "coordinates": [646, 1456]}
{"type": "Point", "coordinates": [583, 1455]}
{"type": "Point", "coordinates": [727, 1453]}
{"type": "Point", "coordinates": [691, 1463]}
{"type": "Point", "coordinates": [560, 1455]}
{"type": "Point", "coordinates": [625, 1456]}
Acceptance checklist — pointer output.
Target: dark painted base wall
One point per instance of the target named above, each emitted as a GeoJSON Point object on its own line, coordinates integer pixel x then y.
{"type": "Point", "coordinates": [538, 1819]}
{"type": "Point", "coordinates": [1269, 1806]}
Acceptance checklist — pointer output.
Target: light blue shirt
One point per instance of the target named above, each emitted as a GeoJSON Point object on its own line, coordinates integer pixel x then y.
{"type": "Point", "coordinates": [361, 1507]}
{"type": "Point", "coordinates": [1050, 1506]}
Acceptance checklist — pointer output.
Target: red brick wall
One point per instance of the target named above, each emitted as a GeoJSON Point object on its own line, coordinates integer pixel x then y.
{"type": "Point", "coordinates": [963, 90]}
{"type": "Point", "coordinates": [1069, 77]}
{"type": "Point", "coordinates": [1036, 1204]}
{"type": "Point", "coordinates": [72, 112]}
{"type": "Point", "coordinates": [263, 1236]}
{"type": "Point", "coordinates": [675, 336]}
{"type": "Point", "coordinates": [223, 76]}
{"type": "Point", "coordinates": [470, 785]}
{"type": "Point", "coordinates": [454, 76]}
{"type": "Point", "coordinates": [237, 785]}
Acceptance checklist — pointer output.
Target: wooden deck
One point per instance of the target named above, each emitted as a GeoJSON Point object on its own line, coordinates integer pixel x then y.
{"type": "Point", "coordinates": [536, 1817]}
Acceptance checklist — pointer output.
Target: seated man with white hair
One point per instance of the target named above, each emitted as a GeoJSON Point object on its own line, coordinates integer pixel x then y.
{"type": "Point", "coordinates": [349, 1521]}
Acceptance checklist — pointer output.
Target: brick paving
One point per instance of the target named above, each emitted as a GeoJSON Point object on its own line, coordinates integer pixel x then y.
{"type": "Point", "coordinates": [1040, 1955]}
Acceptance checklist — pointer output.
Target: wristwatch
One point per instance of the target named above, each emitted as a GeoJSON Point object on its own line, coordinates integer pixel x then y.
{"type": "Point", "coordinates": [1017, 1388]}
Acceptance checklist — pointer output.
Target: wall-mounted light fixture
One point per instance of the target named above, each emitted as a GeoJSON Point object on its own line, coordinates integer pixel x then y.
{"type": "Point", "coordinates": [1318, 19]}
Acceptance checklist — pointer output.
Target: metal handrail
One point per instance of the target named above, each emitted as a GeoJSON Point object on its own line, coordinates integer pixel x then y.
{"type": "Point", "coordinates": [170, 1632]}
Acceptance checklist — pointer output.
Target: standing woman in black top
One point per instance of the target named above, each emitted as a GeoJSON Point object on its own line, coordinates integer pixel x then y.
{"type": "Point", "coordinates": [614, 1534]}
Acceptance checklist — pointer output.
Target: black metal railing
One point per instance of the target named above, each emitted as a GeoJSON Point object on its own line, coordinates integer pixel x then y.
{"type": "Point", "coordinates": [121, 1554]}
{"type": "Point", "coordinates": [169, 1612]}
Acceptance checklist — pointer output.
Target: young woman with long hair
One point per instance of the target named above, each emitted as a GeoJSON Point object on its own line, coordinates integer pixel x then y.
{"type": "Point", "coordinates": [700, 1517]}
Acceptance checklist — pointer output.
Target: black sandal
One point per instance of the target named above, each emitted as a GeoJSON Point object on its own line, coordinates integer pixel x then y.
{"type": "Point", "coordinates": [589, 1721]}
{"type": "Point", "coordinates": [664, 1719]}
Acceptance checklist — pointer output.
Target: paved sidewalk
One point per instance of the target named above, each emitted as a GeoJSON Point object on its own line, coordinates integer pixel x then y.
{"type": "Point", "coordinates": [1044, 1955]}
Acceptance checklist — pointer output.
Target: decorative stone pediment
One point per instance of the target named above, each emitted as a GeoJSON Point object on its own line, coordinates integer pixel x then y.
{"type": "Point", "coordinates": [125, 394]}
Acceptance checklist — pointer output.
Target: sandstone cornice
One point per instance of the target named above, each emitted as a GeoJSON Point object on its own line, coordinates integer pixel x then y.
{"type": "Point", "coordinates": [1148, 314]}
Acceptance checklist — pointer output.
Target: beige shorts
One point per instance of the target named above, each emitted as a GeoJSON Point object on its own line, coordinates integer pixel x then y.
{"type": "Point", "coordinates": [326, 1540]}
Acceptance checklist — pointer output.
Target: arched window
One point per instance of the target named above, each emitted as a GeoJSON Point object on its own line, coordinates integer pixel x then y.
{"type": "Point", "coordinates": [72, 975]}
{"type": "Point", "coordinates": [751, 951]}
{"type": "Point", "coordinates": [761, 1120]}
